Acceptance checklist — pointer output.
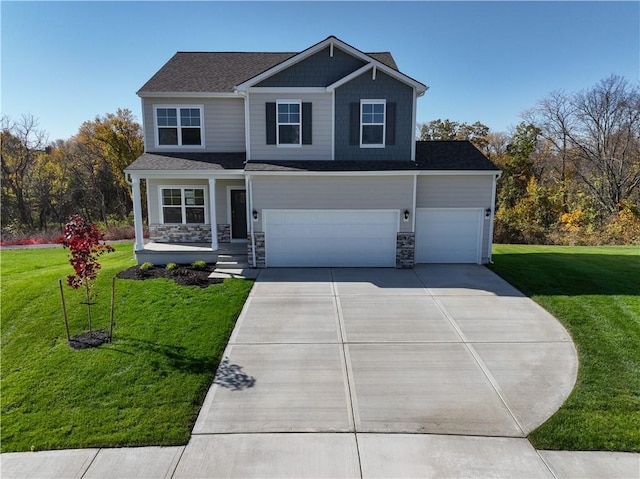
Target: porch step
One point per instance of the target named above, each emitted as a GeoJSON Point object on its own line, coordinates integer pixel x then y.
{"type": "Point", "coordinates": [241, 273]}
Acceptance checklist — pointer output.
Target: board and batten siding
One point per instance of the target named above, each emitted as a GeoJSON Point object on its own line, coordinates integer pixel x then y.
{"type": "Point", "coordinates": [333, 192]}
{"type": "Point", "coordinates": [321, 147]}
{"type": "Point", "coordinates": [473, 191]}
{"type": "Point", "coordinates": [223, 123]}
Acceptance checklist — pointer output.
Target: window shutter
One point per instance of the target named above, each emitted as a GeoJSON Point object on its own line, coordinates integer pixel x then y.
{"type": "Point", "coordinates": [354, 124]}
{"type": "Point", "coordinates": [391, 124]}
{"type": "Point", "coordinates": [270, 111]}
{"type": "Point", "coordinates": [306, 124]}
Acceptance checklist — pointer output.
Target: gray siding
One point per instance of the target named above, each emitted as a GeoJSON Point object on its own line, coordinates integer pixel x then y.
{"type": "Point", "coordinates": [382, 88]}
{"type": "Point", "coordinates": [223, 123]}
{"type": "Point", "coordinates": [457, 192]}
{"type": "Point", "coordinates": [321, 127]}
{"type": "Point", "coordinates": [337, 192]}
{"type": "Point", "coordinates": [320, 69]}
{"type": "Point", "coordinates": [153, 195]}
{"type": "Point", "coordinates": [153, 186]}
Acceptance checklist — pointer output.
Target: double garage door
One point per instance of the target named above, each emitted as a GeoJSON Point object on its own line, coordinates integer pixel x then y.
{"type": "Point", "coordinates": [368, 237]}
{"type": "Point", "coordinates": [330, 237]}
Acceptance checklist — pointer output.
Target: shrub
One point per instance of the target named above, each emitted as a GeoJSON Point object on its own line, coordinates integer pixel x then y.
{"type": "Point", "coordinates": [146, 266]}
{"type": "Point", "coordinates": [171, 266]}
{"type": "Point", "coordinates": [200, 264]}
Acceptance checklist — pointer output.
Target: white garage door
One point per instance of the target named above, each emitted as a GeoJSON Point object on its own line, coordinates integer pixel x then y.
{"type": "Point", "coordinates": [330, 237]}
{"type": "Point", "coordinates": [448, 235]}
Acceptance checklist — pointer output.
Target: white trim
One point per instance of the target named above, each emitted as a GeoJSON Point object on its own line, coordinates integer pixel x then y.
{"type": "Point", "coordinates": [249, 184]}
{"type": "Point", "coordinates": [415, 205]}
{"type": "Point", "coordinates": [366, 101]}
{"type": "Point", "coordinates": [229, 212]}
{"type": "Point", "coordinates": [137, 214]}
{"type": "Point", "coordinates": [333, 125]}
{"type": "Point", "coordinates": [186, 174]}
{"type": "Point", "coordinates": [265, 219]}
{"type": "Point", "coordinates": [299, 123]}
{"type": "Point", "coordinates": [374, 173]}
{"type": "Point", "coordinates": [179, 145]}
{"type": "Point", "coordinates": [247, 128]}
{"type": "Point", "coordinates": [492, 218]}
{"type": "Point", "coordinates": [280, 90]}
{"type": "Point", "coordinates": [183, 206]}
{"type": "Point", "coordinates": [184, 94]}
{"type": "Point", "coordinates": [212, 211]}
{"type": "Point", "coordinates": [349, 77]}
{"type": "Point", "coordinates": [145, 138]}
{"type": "Point", "coordinates": [480, 212]}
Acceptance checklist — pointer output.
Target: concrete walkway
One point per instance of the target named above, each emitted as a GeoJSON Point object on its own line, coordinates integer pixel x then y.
{"type": "Point", "coordinates": [440, 371]}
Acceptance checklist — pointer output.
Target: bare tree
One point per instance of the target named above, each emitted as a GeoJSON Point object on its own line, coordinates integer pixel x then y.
{"type": "Point", "coordinates": [598, 131]}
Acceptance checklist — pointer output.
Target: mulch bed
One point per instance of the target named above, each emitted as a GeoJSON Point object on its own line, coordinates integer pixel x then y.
{"type": "Point", "coordinates": [184, 275]}
{"type": "Point", "coordinates": [90, 339]}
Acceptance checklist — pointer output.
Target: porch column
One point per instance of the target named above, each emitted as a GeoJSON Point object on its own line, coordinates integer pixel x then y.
{"type": "Point", "coordinates": [212, 213]}
{"type": "Point", "coordinates": [137, 213]}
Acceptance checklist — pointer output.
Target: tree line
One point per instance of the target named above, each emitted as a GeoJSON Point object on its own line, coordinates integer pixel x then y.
{"type": "Point", "coordinates": [43, 183]}
{"type": "Point", "coordinates": [571, 169]}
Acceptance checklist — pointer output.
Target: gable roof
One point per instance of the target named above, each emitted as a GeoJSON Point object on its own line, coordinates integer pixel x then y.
{"type": "Point", "coordinates": [220, 72]}
{"type": "Point", "coordinates": [330, 42]}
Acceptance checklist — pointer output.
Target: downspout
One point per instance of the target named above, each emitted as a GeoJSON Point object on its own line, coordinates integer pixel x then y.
{"type": "Point", "coordinates": [493, 213]}
{"type": "Point", "coordinates": [249, 188]}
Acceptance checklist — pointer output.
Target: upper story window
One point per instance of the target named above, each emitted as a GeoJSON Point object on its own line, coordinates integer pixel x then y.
{"type": "Point", "coordinates": [372, 123]}
{"type": "Point", "coordinates": [289, 120]}
{"type": "Point", "coordinates": [183, 205]}
{"type": "Point", "coordinates": [179, 126]}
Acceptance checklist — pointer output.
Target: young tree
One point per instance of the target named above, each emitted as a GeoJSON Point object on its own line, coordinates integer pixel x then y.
{"type": "Point", "coordinates": [84, 242]}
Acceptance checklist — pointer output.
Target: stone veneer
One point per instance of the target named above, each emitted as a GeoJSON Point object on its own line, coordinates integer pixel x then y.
{"type": "Point", "coordinates": [191, 233]}
{"type": "Point", "coordinates": [405, 250]}
{"type": "Point", "coordinates": [224, 233]}
{"type": "Point", "coordinates": [260, 250]}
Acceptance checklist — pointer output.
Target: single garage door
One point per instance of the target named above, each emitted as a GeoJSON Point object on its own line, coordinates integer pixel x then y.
{"type": "Point", "coordinates": [330, 237]}
{"type": "Point", "coordinates": [448, 235]}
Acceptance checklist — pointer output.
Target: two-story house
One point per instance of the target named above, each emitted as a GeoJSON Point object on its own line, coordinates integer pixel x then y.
{"type": "Point", "coordinates": [310, 158]}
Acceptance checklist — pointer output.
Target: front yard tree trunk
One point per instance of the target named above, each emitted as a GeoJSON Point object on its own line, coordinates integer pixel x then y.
{"type": "Point", "coordinates": [88, 305]}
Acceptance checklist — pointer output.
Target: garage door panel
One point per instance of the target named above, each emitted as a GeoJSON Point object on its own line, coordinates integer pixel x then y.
{"type": "Point", "coordinates": [448, 235]}
{"type": "Point", "coordinates": [330, 238]}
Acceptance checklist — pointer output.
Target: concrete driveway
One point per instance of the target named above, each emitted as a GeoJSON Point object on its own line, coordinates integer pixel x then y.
{"type": "Point", "coordinates": [440, 350]}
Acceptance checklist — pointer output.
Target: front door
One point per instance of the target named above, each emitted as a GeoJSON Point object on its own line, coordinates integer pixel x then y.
{"type": "Point", "coordinates": [238, 214]}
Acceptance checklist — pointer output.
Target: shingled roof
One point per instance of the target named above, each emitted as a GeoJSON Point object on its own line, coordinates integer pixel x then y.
{"type": "Point", "coordinates": [430, 156]}
{"type": "Point", "coordinates": [219, 72]}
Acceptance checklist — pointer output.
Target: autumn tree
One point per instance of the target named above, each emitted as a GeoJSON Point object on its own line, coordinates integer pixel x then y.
{"type": "Point", "coordinates": [21, 142]}
{"type": "Point", "coordinates": [439, 129]}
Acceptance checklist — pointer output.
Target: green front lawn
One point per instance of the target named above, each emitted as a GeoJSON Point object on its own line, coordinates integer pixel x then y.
{"type": "Point", "coordinates": [144, 388]}
{"type": "Point", "coordinates": [595, 293]}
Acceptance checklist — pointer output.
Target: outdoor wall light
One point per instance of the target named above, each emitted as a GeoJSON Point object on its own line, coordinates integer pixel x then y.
{"type": "Point", "coordinates": [255, 215]}
{"type": "Point", "coordinates": [487, 213]}
{"type": "Point", "coordinates": [406, 215]}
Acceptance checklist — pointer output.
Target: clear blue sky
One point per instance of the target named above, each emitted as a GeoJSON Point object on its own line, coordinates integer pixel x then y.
{"type": "Point", "coordinates": [66, 62]}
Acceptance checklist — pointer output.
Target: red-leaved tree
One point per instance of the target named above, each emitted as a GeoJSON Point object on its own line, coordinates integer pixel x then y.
{"type": "Point", "coordinates": [84, 242]}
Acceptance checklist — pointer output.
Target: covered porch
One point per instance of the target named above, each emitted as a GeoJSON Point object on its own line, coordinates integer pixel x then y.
{"type": "Point", "coordinates": [195, 202]}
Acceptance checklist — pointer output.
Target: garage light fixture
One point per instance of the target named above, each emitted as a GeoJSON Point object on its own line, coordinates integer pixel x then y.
{"type": "Point", "coordinates": [487, 213]}
{"type": "Point", "coordinates": [406, 215]}
{"type": "Point", "coordinates": [255, 215]}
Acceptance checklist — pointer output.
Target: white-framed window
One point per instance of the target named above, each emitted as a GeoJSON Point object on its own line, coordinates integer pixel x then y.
{"type": "Point", "coordinates": [289, 122]}
{"type": "Point", "coordinates": [372, 123]}
{"type": "Point", "coordinates": [179, 125]}
{"type": "Point", "coordinates": [183, 205]}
